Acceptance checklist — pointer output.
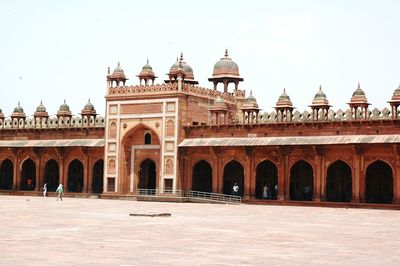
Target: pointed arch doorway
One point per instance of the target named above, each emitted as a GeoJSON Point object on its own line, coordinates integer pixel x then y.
{"type": "Point", "coordinates": [147, 176]}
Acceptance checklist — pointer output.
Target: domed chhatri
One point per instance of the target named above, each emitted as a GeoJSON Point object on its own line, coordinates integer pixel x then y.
{"type": "Point", "coordinates": [117, 76]}
{"type": "Point", "coordinates": [41, 108]}
{"type": "Point", "coordinates": [146, 74]}
{"type": "Point", "coordinates": [395, 102]}
{"type": "Point", "coordinates": [177, 67]}
{"type": "Point", "coordinates": [359, 102]}
{"type": "Point", "coordinates": [40, 111]}
{"type": "Point", "coordinates": [218, 104]}
{"type": "Point", "coordinates": [284, 100]}
{"type": "Point", "coordinates": [250, 102]}
{"type": "Point", "coordinates": [320, 102]}
{"type": "Point", "coordinates": [88, 111]}
{"type": "Point", "coordinates": [226, 67]}
{"type": "Point", "coordinates": [18, 112]}
{"type": "Point", "coordinates": [320, 98]}
{"type": "Point", "coordinates": [225, 71]}
{"type": "Point", "coordinates": [64, 107]}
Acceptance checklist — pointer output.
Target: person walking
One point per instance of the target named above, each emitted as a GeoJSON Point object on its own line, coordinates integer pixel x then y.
{"type": "Point", "coordinates": [44, 189]}
{"type": "Point", "coordinates": [60, 191]}
{"type": "Point", "coordinates": [265, 192]}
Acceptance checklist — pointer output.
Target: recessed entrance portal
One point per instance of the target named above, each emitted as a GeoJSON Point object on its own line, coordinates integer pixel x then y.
{"type": "Point", "coordinates": [339, 182]}
{"type": "Point", "coordinates": [266, 175]}
{"type": "Point", "coordinates": [379, 183]}
{"type": "Point", "coordinates": [147, 175]}
{"type": "Point", "coordinates": [28, 176]}
{"type": "Point", "coordinates": [6, 174]}
{"type": "Point", "coordinates": [233, 173]}
{"type": "Point", "coordinates": [51, 175]}
{"type": "Point", "coordinates": [301, 181]}
{"type": "Point", "coordinates": [75, 176]}
{"type": "Point", "coordinates": [97, 180]}
{"type": "Point", "coordinates": [202, 177]}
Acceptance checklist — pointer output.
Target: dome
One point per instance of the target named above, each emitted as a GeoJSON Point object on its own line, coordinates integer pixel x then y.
{"type": "Point", "coordinates": [284, 100]}
{"type": "Point", "coordinates": [397, 91]}
{"type": "Point", "coordinates": [186, 68]}
{"type": "Point", "coordinates": [218, 104]}
{"type": "Point", "coordinates": [41, 108]}
{"type": "Point", "coordinates": [89, 106]}
{"type": "Point", "coordinates": [147, 67]}
{"type": "Point", "coordinates": [320, 98]}
{"type": "Point", "coordinates": [226, 66]}
{"type": "Point", "coordinates": [18, 109]}
{"type": "Point", "coordinates": [359, 91]}
{"type": "Point", "coordinates": [64, 107]}
{"type": "Point", "coordinates": [250, 102]}
{"type": "Point", "coordinates": [118, 73]}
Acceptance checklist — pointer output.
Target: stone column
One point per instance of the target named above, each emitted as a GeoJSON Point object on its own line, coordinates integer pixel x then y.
{"type": "Point", "coordinates": [396, 175]}
{"type": "Point", "coordinates": [248, 172]}
{"type": "Point", "coordinates": [320, 158]}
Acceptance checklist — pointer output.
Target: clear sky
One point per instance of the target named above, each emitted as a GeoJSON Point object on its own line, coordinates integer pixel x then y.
{"type": "Point", "coordinates": [56, 50]}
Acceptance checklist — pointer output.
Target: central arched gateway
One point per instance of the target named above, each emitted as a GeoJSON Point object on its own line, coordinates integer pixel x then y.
{"type": "Point", "coordinates": [301, 181]}
{"type": "Point", "coordinates": [6, 174]}
{"type": "Point", "coordinates": [202, 177]}
{"type": "Point", "coordinates": [266, 175]}
{"type": "Point", "coordinates": [379, 183]}
{"type": "Point", "coordinates": [75, 176]}
{"type": "Point", "coordinates": [233, 173]}
{"type": "Point", "coordinates": [51, 175]}
{"type": "Point", "coordinates": [339, 182]}
{"type": "Point", "coordinates": [28, 175]}
{"type": "Point", "coordinates": [147, 175]}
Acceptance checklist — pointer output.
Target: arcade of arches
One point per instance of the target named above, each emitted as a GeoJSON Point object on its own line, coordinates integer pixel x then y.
{"type": "Point", "coordinates": [314, 176]}
{"type": "Point", "coordinates": [72, 167]}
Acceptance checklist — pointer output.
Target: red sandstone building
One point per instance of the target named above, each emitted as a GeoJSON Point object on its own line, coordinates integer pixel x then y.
{"type": "Point", "coordinates": [178, 136]}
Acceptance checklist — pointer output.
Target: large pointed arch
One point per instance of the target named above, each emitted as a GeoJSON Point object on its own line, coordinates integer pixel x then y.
{"type": "Point", "coordinates": [28, 175]}
{"type": "Point", "coordinates": [339, 182]}
{"type": "Point", "coordinates": [6, 174]}
{"type": "Point", "coordinates": [97, 177]}
{"type": "Point", "coordinates": [266, 175]}
{"type": "Point", "coordinates": [379, 183]}
{"type": "Point", "coordinates": [233, 173]}
{"type": "Point", "coordinates": [202, 176]}
{"type": "Point", "coordinates": [75, 176]}
{"type": "Point", "coordinates": [51, 175]}
{"type": "Point", "coordinates": [301, 181]}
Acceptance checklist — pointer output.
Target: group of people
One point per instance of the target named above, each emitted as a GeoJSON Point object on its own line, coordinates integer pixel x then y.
{"type": "Point", "coordinates": [59, 190]}
{"type": "Point", "coordinates": [270, 193]}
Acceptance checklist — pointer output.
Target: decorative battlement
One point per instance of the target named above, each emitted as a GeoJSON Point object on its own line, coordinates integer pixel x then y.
{"type": "Point", "coordinates": [52, 122]}
{"type": "Point", "coordinates": [173, 88]}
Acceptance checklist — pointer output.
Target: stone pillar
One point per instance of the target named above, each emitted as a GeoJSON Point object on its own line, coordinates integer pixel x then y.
{"type": "Point", "coordinates": [248, 172]}
{"type": "Point", "coordinates": [17, 169]}
{"type": "Point", "coordinates": [396, 175]}
{"type": "Point", "coordinates": [358, 182]}
{"type": "Point", "coordinates": [283, 174]}
{"type": "Point", "coordinates": [219, 170]}
{"type": "Point", "coordinates": [319, 162]}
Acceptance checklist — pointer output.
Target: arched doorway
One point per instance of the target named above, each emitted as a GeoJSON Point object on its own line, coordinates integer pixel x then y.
{"type": "Point", "coordinates": [6, 174]}
{"type": "Point", "coordinates": [28, 175]}
{"type": "Point", "coordinates": [233, 173]}
{"type": "Point", "coordinates": [379, 183]}
{"type": "Point", "coordinates": [97, 179]}
{"type": "Point", "coordinates": [51, 175]}
{"type": "Point", "coordinates": [266, 175]}
{"type": "Point", "coordinates": [339, 182]}
{"type": "Point", "coordinates": [75, 176]}
{"type": "Point", "coordinates": [147, 175]}
{"type": "Point", "coordinates": [202, 177]}
{"type": "Point", "coordinates": [301, 181]}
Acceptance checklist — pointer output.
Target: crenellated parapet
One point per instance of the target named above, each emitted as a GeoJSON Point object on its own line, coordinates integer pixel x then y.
{"type": "Point", "coordinates": [52, 122]}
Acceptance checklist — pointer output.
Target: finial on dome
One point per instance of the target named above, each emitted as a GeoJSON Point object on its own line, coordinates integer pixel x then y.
{"type": "Point", "coordinates": [118, 64]}
{"type": "Point", "coordinates": [359, 85]}
{"type": "Point", "coordinates": [41, 102]}
{"type": "Point", "coordinates": [251, 92]}
{"type": "Point", "coordinates": [89, 100]}
{"type": "Point", "coordinates": [181, 56]}
{"type": "Point", "coordinates": [19, 103]}
{"type": "Point", "coordinates": [108, 71]}
{"type": "Point", "coordinates": [320, 87]}
{"type": "Point", "coordinates": [65, 101]}
{"type": "Point", "coordinates": [284, 89]}
{"type": "Point", "coordinates": [226, 52]}
{"type": "Point", "coordinates": [147, 61]}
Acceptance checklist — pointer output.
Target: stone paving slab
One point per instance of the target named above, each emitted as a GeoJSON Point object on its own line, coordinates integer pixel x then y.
{"type": "Point", "coordinates": [38, 231]}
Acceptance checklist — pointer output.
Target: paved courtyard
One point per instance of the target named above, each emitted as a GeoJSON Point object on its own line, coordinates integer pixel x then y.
{"type": "Point", "coordinates": [38, 231]}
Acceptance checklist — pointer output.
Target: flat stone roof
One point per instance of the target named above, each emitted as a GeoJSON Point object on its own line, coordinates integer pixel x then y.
{"type": "Point", "coordinates": [42, 231]}
{"type": "Point", "coordinates": [277, 141]}
{"type": "Point", "coordinates": [53, 143]}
